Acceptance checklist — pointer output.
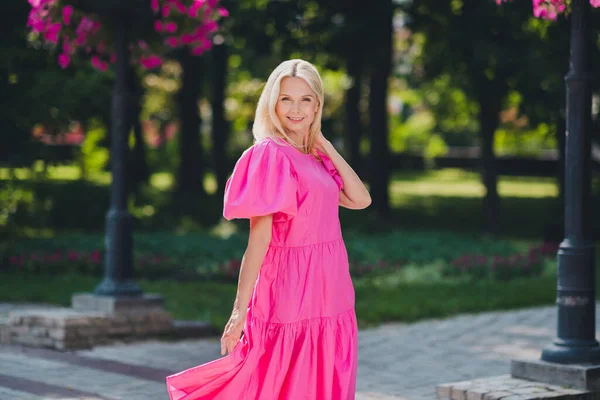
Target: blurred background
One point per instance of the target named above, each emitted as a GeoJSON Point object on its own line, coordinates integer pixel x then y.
{"type": "Point", "coordinates": [453, 113]}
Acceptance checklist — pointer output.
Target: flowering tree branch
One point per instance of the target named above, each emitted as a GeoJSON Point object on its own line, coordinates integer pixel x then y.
{"type": "Point", "coordinates": [176, 23]}
{"type": "Point", "coordinates": [550, 9]}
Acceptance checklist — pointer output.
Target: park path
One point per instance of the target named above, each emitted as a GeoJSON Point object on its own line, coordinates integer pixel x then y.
{"type": "Point", "coordinates": [396, 361]}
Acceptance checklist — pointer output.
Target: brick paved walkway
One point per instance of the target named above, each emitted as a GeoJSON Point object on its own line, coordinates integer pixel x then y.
{"type": "Point", "coordinates": [396, 361]}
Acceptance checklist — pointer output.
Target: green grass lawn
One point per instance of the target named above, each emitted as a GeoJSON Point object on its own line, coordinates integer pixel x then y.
{"type": "Point", "coordinates": [436, 217]}
{"type": "Point", "coordinates": [448, 199]}
{"type": "Point", "coordinates": [375, 303]}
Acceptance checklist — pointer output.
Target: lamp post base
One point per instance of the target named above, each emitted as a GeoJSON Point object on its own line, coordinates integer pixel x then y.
{"type": "Point", "coordinates": [584, 353]}
{"type": "Point", "coordinates": [110, 287]}
{"type": "Point", "coordinates": [576, 376]}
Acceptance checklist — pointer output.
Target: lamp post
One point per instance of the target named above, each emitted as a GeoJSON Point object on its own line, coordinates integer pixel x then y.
{"type": "Point", "coordinates": [118, 268]}
{"type": "Point", "coordinates": [576, 342]}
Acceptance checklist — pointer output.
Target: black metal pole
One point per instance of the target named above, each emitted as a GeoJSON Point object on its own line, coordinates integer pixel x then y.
{"type": "Point", "coordinates": [576, 338]}
{"type": "Point", "coordinates": [118, 268]}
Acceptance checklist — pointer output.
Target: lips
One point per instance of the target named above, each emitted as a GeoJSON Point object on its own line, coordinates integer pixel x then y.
{"type": "Point", "coordinates": [295, 119]}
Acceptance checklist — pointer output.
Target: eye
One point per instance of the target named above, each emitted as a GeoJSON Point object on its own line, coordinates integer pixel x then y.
{"type": "Point", "coordinates": [307, 99]}
{"type": "Point", "coordinates": [285, 98]}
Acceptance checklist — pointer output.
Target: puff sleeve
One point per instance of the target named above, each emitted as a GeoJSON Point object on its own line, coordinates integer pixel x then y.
{"type": "Point", "coordinates": [328, 164]}
{"type": "Point", "coordinates": [262, 183]}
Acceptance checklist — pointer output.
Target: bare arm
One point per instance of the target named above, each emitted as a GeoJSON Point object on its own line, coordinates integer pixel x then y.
{"type": "Point", "coordinates": [258, 241]}
{"type": "Point", "coordinates": [355, 195]}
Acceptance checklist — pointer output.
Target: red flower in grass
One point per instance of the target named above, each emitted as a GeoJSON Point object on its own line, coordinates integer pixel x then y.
{"type": "Point", "coordinates": [19, 260]}
{"type": "Point", "coordinates": [72, 255]}
{"type": "Point", "coordinates": [96, 257]}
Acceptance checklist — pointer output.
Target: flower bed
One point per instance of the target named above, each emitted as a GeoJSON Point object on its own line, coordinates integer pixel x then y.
{"type": "Point", "coordinates": [497, 267]}
{"type": "Point", "coordinates": [148, 266]}
{"type": "Point", "coordinates": [205, 257]}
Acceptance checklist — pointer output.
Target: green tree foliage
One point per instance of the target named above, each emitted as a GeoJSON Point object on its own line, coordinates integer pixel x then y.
{"type": "Point", "coordinates": [485, 51]}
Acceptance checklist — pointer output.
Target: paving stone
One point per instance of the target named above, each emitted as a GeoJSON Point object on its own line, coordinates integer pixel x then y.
{"type": "Point", "coordinates": [396, 361]}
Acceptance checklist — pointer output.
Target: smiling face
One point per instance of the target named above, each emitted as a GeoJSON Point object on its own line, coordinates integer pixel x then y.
{"type": "Point", "coordinates": [296, 105]}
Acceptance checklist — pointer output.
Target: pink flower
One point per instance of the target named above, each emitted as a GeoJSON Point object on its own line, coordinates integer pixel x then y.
{"type": "Point", "coordinates": [85, 26]}
{"type": "Point", "coordinates": [151, 62]}
{"type": "Point", "coordinates": [180, 7]}
{"type": "Point", "coordinates": [66, 46]}
{"type": "Point", "coordinates": [143, 45]}
{"type": "Point", "coordinates": [72, 255]}
{"type": "Point", "coordinates": [211, 26]}
{"type": "Point", "coordinates": [171, 27]}
{"type": "Point", "coordinates": [113, 57]}
{"type": "Point", "coordinates": [67, 12]}
{"type": "Point", "coordinates": [193, 11]}
{"type": "Point", "coordinates": [158, 26]}
{"type": "Point", "coordinates": [595, 3]}
{"type": "Point", "coordinates": [38, 26]}
{"type": "Point", "coordinates": [100, 65]}
{"type": "Point", "coordinates": [224, 13]}
{"type": "Point", "coordinates": [199, 32]}
{"type": "Point", "coordinates": [186, 38]}
{"type": "Point", "coordinates": [212, 3]}
{"type": "Point", "coordinates": [101, 47]}
{"type": "Point", "coordinates": [165, 11]}
{"type": "Point", "coordinates": [96, 62]}
{"type": "Point", "coordinates": [64, 60]}
{"type": "Point", "coordinates": [96, 257]}
{"type": "Point", "coordinates": [51, 34]}
{"type": "Point", "coordinates": [154, 5]}
{"type": "Point", "coordinates": [204, 45]}
{"type": "Point", "coordinates": [172, 41]}
{"type": "Point", "coordinates": [197, 51]}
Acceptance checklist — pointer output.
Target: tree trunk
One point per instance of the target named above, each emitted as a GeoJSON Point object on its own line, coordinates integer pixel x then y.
{"type": "Point", "coordinates": [190, 177]}
{"type": "Point", "coordinates": [220, 128]}
{"type": "Point", "coordinates": [353, 128]}
{"type": "Point", "coordinates": [489, 120]}
{"type": "Point", "coordinates": [380, 71]}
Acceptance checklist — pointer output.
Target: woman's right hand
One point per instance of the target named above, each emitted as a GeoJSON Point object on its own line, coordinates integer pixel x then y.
{"type": "Point", "coordinates": [233, 331]}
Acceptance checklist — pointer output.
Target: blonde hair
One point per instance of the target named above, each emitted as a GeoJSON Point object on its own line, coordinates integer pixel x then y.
{"type": "Point", "coordinates": [267, 124]}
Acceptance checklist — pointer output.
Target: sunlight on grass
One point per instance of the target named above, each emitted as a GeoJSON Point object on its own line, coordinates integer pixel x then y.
{"type": "Point", "coordinates": [64, 172]}
{"type": "Point", "coordinates": [166, 181]}
{"type": "Point", "coordinates": [457, 183]}
{"type": "Point", "coordinates": [53, 172]}
{"type": "Point", "coordinates": [210, 183]}
{"type": "Point", "coordinates": [19, 173]}
{"type": "Point", "coordinates": [162, 180]}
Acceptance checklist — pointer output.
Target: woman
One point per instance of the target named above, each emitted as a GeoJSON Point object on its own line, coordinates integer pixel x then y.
{"type": "Point", "coordinates": [292, 334]}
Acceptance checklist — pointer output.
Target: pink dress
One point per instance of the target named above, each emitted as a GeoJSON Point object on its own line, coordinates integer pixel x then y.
{"type": "Point", "coordinates": [300, 339]}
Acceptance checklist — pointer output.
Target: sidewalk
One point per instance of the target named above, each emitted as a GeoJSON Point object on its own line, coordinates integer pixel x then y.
{"type": "Point", "coordinates": [396, 361]}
